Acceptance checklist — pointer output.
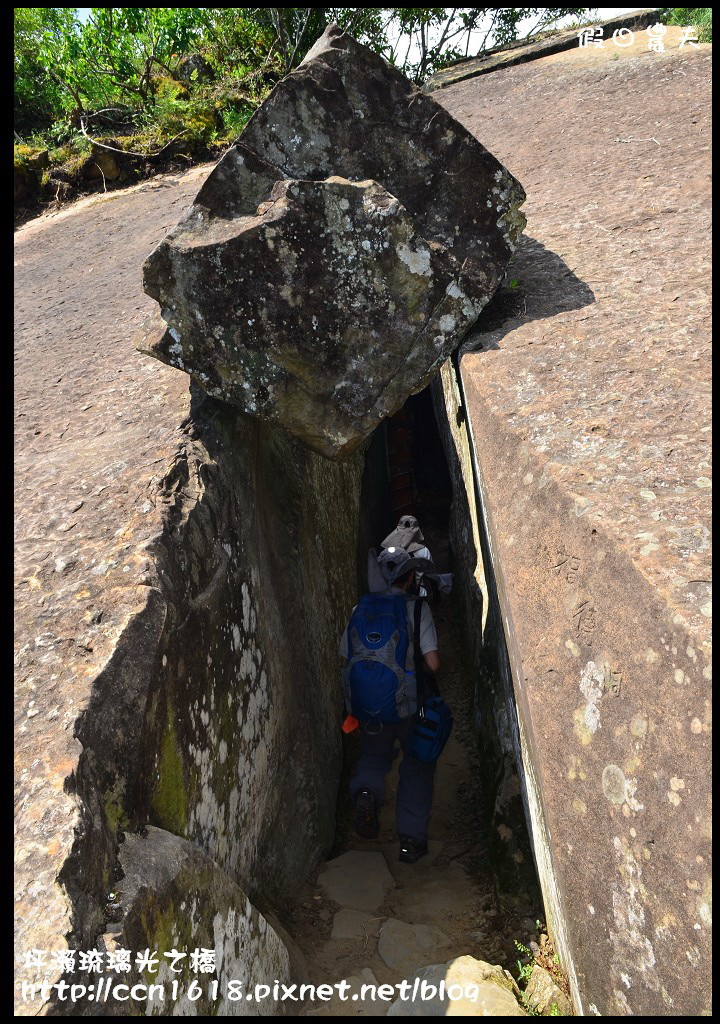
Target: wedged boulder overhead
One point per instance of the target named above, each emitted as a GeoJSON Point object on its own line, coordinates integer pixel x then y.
{"type": "Point", "coordinates": [338, 252]}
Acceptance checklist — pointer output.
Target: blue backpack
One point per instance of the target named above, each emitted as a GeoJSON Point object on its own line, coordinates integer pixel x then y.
{"type": "Point", "coordinates": [376, 685]}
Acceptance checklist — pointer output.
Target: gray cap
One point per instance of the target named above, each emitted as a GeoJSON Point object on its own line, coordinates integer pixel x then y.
{"type": "Point", "coordinates": [396, 562]}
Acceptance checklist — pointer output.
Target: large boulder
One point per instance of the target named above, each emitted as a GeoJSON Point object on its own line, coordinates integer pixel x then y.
{"type": "Point", "coordinates": [544, 995]}
{"type": "Point", "coordinates": [194, 68]}
{"type": "Point", "coordinates": [463, 987]}
{"type": "Point", "coordinates": [101, 164]}
{"type": "Point", "coordinates": [173, 896]}
{"type": "Point", "coordinates": [337, 253]}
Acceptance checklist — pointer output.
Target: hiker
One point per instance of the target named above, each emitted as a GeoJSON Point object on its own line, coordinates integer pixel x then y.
{"type": "Point", "coordinates": [408, 535]}
{"type": "Point", "coordinates": [386, 693]}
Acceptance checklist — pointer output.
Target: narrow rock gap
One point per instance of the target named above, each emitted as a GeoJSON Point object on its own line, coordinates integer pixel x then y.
{"type": "Point", "coordinates": [460, 894]}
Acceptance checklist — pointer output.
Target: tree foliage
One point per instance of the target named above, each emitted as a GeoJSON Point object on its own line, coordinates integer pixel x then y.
{"type": "Point", "coordinates": [115, 66]}
{"type": "Point", "coordinates": [39, 91]}
{"type": "Point", "coordinates": [421, 40]}
{"type": "Point", "coordinates": [699, 18]}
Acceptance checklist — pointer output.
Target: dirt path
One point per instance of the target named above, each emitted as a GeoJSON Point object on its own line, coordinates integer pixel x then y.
{"type": "Point", "coordinates": [96, 425]}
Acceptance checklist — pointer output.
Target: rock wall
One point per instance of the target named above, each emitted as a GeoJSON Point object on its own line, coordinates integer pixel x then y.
{"type": "Point", "coordinates": [240, 748]}
{"type": "Point", "coordinates": [587, 394]}
{"type": "Point", "coordinates": [486, 657]}
{"type": "Point", "coordinates": [216, 719]}
{"type": "Point", "coordinates": [175, 897]}
{"type": "Point", "coordinates": [613, 739]}
{"type": "Point", "coordinates": [377, 517]}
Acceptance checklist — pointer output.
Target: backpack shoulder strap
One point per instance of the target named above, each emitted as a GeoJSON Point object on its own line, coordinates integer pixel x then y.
{"type": "Point", "coordinates": [426, 685]}
{"type": "Point", "coordinates": [417, 616]}
{"type": "Point", "coordinates": [418, 658]}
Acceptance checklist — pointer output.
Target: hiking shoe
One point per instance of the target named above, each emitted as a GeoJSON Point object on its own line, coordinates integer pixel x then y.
{"type": "Point", "coordinates": [411, 849]}
{"type": "Point", "coordinates": [365, 821]}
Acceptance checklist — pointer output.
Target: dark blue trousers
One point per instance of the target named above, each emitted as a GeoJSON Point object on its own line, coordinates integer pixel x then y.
{"type": "Point", "coordinates": [415, 788]}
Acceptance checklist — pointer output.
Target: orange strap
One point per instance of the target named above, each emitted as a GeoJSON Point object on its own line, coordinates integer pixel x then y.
{"type": "Point", "coordinates": [350, 724]}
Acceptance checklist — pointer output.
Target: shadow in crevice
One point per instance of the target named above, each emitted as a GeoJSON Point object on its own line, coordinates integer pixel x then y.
{"type": "Point", "coordinates": [496, 804]}
{"type": "Point", "coordinates": [539, 285]}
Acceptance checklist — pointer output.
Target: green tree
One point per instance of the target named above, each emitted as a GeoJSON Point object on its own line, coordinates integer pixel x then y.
{"type": "Point", "coordinates": [40, 92]}
{"type": "Point", "coordinates": [124, 46]}
{"type": "Point", "coordinates": [418, 40]}
{"type": "Point", "coordinates": [110, 59]}
{"type": "Point", "coordinates": [700, 18]}
{"type": "Point", "coordinates": [440, 35]}
{"type": "Point", "coordinates": [116, 61]}
{"type": "Point", "coordinates": [235, 43]}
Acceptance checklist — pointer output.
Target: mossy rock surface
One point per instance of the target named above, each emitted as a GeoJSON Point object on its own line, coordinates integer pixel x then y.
{"type": "Point", "coordinates": [26, 182]}
{"type": "Point", "coordinates": [31, 156]}
{"type": "Point", "coordinates": [173, 896]}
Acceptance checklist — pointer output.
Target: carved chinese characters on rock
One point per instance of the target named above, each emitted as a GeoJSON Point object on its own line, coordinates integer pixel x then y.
{"type": "Point", "coordinates": [611, 680]}
{"type": "Point", "coordinates": [584, 619]}
{"type": "Point", "coordinates": [565, 564]}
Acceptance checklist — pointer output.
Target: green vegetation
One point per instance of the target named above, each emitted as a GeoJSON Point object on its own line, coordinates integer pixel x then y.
{"type": "Point", "coordinates": [545, 957]}
{"type": "Point", "coordinates": [700, 18]}
{"type": "Point", "coordinates": [169, 800]}
{"type": "Point", "coordinates": [152, 84]}
{"type": "Point", "coordinates": [524, 970]}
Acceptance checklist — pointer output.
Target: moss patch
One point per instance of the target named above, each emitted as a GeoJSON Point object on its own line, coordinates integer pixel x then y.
{"type": "Point", "coordinates": [115, 813]}
{"type": "Point", "coordinates": [169, 799]}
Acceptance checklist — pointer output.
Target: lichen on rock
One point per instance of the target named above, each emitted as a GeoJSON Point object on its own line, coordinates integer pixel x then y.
{"type": "Point", "coordinates": [175, 898]}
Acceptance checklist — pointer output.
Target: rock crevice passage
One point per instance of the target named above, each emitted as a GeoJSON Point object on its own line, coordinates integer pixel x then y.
{"type": "Point", "coordinates": [370, 920]}
{"type": "Point", "coordinates": [164, 544]}
{"type": "Point", "coordinates": [204, 701]}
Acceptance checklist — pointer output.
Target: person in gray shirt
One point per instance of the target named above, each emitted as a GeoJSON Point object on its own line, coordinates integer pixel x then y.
{"type": "Point", "coordinates": [378, 740]}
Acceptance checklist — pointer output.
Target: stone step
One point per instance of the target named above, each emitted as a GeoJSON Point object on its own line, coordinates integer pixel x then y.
{"type": "Point", "coordinates": [354, 924]}
{"type": "Point", "coordinates": [404, 947]}
{"type": "Point", "coordinates": [357, 879]}
{"type": "Point", "coordinates": [404, 873]}
{"type": "Point", "coordinates": [353, 1005]}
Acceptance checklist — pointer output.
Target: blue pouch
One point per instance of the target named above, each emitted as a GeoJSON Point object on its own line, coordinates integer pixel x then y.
{"type": "Point", "coordinates": [433, 725]}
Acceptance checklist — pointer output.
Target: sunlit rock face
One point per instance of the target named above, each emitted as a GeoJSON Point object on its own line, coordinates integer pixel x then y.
{"type": "Point", "coordinates": [337, 253]}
